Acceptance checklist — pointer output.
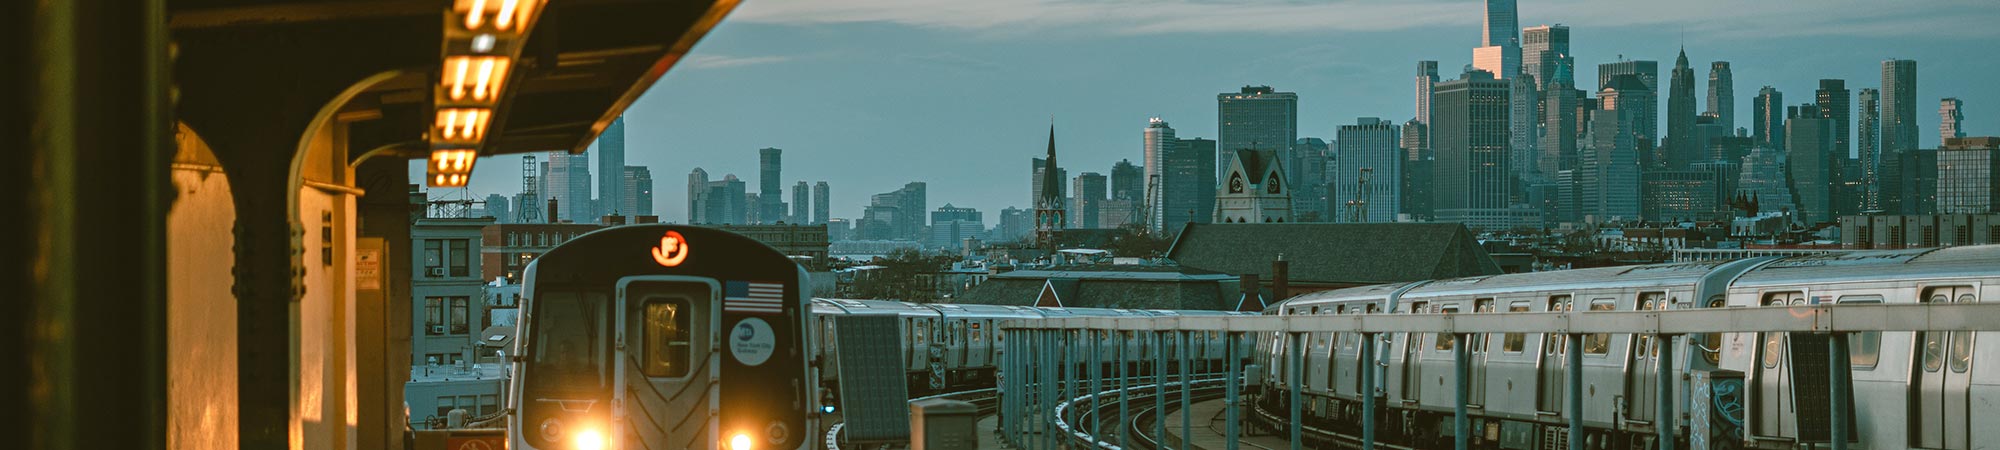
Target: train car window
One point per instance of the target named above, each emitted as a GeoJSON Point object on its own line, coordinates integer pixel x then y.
{"type": "Point", "coordinates": [666, 339]}
{"type": "Point", "coordinates": [1649, 301]}
{"type": "Point", "coordinates": [1557, 342]}
{"type": "Point", "coordinates": [1961, 344]}
{"type": "Point", "coordinates": [1712, 342]}
{"type": "Point", "coordinates": [1515, 342]}
{"type": "Point", "coordinates": [1482, 306]}
{"type": "Point", "coordinates": [1599, 343]}
{"type": "Point", "coordinates": [571, 339]}
{"type": "Point", "coordinates": [1864, 349]}
{"type": "Point", "coordinates": [1445, 341]}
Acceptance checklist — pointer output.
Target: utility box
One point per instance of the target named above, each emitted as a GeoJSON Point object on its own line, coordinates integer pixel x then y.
{"type": "Point", "coordinates": [939, 424]}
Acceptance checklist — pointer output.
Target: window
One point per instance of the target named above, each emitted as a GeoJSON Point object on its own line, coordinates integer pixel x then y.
{"type": "Point", "coordinates": [1481, 306]}
{"type": "Point", "coordinates": [1515, 342]}
{"type": "Point", "coordinates": [1599, 343]}
{"type": "Point", "coordinates": [433, 256]}
{"type": "Point", "coordinates": [1446, 341]}
{"type": "Point", "coordinates": [445, 404]}
{"type": "Point", "coordinates": [459, 257]}
{"type": "Point", "coordinates": [459, 307]}
{"type": "Point", "coordinates": [1557, 342]}
{"type": "Point", "coordinates": [1774, 343]}
{"type": "Point", "coordinates": [1864, 349]}
{"type": "Point", "coordinates": [1649, 301]}
{"type": "Point", "coordinates": [434, 316]}
{"type": "Point", "coordinates": [666, 338]}
{"type": "Point", "coordinates": [1961, 344]}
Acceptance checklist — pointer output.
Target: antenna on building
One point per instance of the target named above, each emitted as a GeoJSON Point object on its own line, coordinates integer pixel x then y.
{"type": "Point", "coordinates": [1357, 209]}
{"type": "Point", "coordinates": [530, 192]}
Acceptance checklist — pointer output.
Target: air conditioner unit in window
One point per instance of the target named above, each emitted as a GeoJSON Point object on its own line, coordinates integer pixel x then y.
{"type": "Point", "coordinates": [437, 271]}
{"type": "Point", "coordinates": [437, 329]}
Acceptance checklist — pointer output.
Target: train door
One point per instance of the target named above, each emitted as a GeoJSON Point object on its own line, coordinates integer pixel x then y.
{"type": "Point", "coordinates": [1413, 351]}
{"type": "Point", "coordinates": [1555, 352]}
{"type": "Point", "coordinates": [1641, 363]}
{"type": "Point", "coordinates": [664, 325]}
{"type": "Point", "coordinates": [1477, 371]}
{"type": "Point", "coordinates": [1773, 396]}
{"type": "Point", "coordinates": [1942, 400]}
{"type": "Point", "coordinates": [1338, 364]}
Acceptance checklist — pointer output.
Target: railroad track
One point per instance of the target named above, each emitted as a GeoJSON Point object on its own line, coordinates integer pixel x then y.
{"type": "Point", "coordinates": [1083, 431]}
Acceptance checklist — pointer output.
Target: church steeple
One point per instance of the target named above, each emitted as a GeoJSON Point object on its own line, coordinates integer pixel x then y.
{"type": "Point", "coordinates": [1049, 214]}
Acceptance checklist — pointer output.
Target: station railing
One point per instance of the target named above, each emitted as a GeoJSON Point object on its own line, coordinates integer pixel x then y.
{"type": "Point", "coordinates": [1048, 363]}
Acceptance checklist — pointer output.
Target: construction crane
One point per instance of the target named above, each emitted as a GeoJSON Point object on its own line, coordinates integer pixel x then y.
{"type": "Point", "coordinates": [1146, 204]}
{"type": "Point", "coordinates": [1357, 208]}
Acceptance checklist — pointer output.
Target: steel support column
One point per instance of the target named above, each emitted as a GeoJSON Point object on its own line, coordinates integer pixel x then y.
{"type": "Point", "coordinates": [1159, 386]}
{"type": "Point", "coordinates": [1368, 383]}
{"type": "Point", "coordinates": [1233, 392]}
{"type": "Point", "coordinates": [1124, 392]}
{"type": "Point", "coordinates": [1096, 374]}
{"type": "Point", "coordinates": [1841, 383]}
{"type": "Point", "coordinates": [1663, 396]}
{"type": "Point", "coordinates": [1187, 421]}
{"type": "Point", "coordinates": [1297, 342]}
{"type": "Point", "coordinates": [1461, 368]}
{"type": "Point", "coordinates": [1573, 376]}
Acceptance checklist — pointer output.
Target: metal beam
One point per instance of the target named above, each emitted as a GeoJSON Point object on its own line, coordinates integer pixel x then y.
{"type": "Point", "coordinates": [1573, 377]}
{"type": "Point", "coordinates": [1368, 388]}
{"type": "Point", "coordinates": [1461, 369]}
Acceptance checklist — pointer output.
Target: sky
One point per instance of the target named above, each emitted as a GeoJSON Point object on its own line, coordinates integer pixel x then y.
{"type": "Point", "coordinates": [868, 95]}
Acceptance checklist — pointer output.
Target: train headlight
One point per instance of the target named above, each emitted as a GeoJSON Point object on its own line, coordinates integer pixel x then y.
{"type": "Point", "coordinates": [741, 441]}
{"type": "Point", "coordinates": [589, 439]}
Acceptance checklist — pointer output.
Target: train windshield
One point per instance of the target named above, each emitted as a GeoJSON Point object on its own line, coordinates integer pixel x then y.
{"type": "Point", "coordinates": [571, 342]}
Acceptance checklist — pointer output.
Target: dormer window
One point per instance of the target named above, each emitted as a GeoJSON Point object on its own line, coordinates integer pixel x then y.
{"type": "Point", "coordinates": [1236, 183]}
{"type": "Point", "coordinates": [1272, 185]}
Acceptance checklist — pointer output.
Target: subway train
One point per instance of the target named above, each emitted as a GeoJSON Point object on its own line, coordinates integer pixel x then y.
{"type": "Point", "coordinates": [1911, 389]}
{"type": "Point", "coordinates": [661, 336]}
{"type": "Point", "coordinates": [955, 347]}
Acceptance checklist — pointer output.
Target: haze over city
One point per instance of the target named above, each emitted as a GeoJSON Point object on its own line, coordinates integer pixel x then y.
{"type": "Point", "coordinates": [870, 95]}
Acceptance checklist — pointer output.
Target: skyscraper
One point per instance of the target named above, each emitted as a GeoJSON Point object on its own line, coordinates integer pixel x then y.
{"type": "Point", "coordinates": [1309, 189]}
{"type": "Point", "coordinates": [1125, 181]}
{"type": "Point", "coordinates": [569, 183]}
{"type": "Point", "coordinates": [952, 225]}
{"type": "Point", "coordinates": [1951, 116]}
{"type": "Point", "coordinates": [1502, 25]}
{"type": "Point", "coordinates": [771, 201]}
{"type": "Point", "coordinates": [1547, 58]}
{"type": "Point", "coordinates": [1834, 102]}
{"type": "Point", "coordinates": [1187, 185]}
{"type": "Point", "coordinates": [1557, 150]}
{"type": "Point", "coordinates": [611, 170]}
{"type": "Point", "coordinates": [1899, 106]}
{"type": "Point", "coordinates": [497, 208]}
{"type": "Point", "coordinates": [1968, 176]}
{"type": "Point", "coordinates": [636, 190]}
{"type": "Point", "coordinates": [1607, 175]}
{"type": "Point", "coordinates": [1427, 77]}
{"type": "Point", "coordinates": [1087, 196]}
{"type": "Point", "coordinates": [1814, 166]}
{"type": "Point", "coordinates": [1469, 132]}
{"type": "Point", "coordinates": [801, 203]}
{"type": "Point", "coordinates": [1681, 146]}
{"type": "Point", "coordinates": [1158, 140]}
{"type": "Point", "coordinates": [697, 190]}
{"type": "Point", "coordinates": [1367, 149]}
{"type": "Point", "coordinates": [716, 202]}
{"type": "Point", "coordinates": [1767, 127]}
{"type": "Point", "coordinates": [1763, 180]}
{"type": "Point", "coordinates": [1647, 118]}
{"type": "Point", "coordinates": [1869, 139]}
{"type": "Point", "coordinates": [822, 203]}
{"type": "Point", "coordinates": [1257, 117]}
{"type": "Point", "coordinates": [1722, 95]}
{"type": "Point", "coordinates": [1549, 62]}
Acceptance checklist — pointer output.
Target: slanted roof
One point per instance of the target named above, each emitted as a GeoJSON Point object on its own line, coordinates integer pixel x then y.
{"type": "Point", "coordinates": [1193, 290]}
{"type": "Point", "coordinates": [1256, 164]}
{"type": "Point", "coordinates": [1329, 253]}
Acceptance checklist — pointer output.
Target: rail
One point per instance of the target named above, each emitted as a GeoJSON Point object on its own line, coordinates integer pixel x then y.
{"type": "Point", "coordinates": [1045, 358]}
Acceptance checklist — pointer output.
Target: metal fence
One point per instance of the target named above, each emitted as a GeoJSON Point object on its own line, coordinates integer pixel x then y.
{"type": "Point", "coordinates": [1051, 368]}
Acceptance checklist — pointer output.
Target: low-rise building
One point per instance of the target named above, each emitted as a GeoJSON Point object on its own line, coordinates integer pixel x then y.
{"type": "Point", "coordinates": [1326, 256]}
{"type": "Point", "coordinates": [1916, 231]}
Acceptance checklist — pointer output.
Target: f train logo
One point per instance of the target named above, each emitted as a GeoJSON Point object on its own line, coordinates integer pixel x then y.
{"type": "Point", "coordinates": [672, 250]}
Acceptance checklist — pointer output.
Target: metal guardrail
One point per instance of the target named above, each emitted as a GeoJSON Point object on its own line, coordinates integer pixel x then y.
{"type": "Point", "coordinates": [1043, 345]}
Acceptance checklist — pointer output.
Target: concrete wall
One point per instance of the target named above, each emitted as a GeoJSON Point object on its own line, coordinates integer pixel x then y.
{"type": "Point", "coordinates": [201, 310]}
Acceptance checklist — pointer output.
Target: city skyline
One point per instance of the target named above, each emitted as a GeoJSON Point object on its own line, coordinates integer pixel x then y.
{"type": "Point", "coordinates": [1005, 85]}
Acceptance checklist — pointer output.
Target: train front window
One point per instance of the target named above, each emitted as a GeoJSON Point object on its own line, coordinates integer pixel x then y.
{"type": "Point", "coordinates": [571, 337]}
{"type": "Point", "coordinates": [667, 343]}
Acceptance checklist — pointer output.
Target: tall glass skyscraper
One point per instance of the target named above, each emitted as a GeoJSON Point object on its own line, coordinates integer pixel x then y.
{"type": "Point", "coordinates": [822, 202]}
{"type": "Point", "coordinates": [1256, 117]}
{"type": "Point", "coordinates": [1767, 126]}
{"type": "Point", "coordinates": [1469, 136]}
{"type": "Point", "coordinates": [611, 170]}
{"type": "Point", "coordinates": [1368, 146]}
{"type": "Point", "coordinates": [1682, 148]}
{"type": "Point", "coordinates": [569, 183]}
{"type": "Point", "coordinates": [770, 201]}
{"type": "Point", "coordinates": [637, 191]}
{"type": "Point", "coordinates": [1722, 95]}
{"type": "Point", "coordinates": [1868, 137]}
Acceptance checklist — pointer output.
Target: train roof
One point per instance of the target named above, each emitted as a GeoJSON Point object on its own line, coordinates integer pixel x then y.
{"type": "Point", "coordinates": [1872, 265]}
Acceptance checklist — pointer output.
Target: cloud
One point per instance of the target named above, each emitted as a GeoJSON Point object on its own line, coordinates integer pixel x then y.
{"type": "Point", "coordinates": [725, 61]}
{"type": "Point", "coordinates": [1147, 17]}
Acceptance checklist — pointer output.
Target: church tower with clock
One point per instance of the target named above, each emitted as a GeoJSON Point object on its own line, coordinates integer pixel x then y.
{"type": "Point", "coordinates": [1253, 189]}
{"type": "Point", "coordinates": [1049, 209]}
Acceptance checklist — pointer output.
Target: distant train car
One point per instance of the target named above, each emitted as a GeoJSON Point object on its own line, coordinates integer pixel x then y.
{"type": "Point", "coordinates": [1912, 389]}
{"type": "Point", "coordinates": [662, 336]}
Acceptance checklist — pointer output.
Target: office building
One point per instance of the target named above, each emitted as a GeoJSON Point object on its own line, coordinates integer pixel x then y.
{"type": "Point", "coordinates": [801, 203]}
{"type": "Point", "coordinates": [1681, 148]}
{"type": "Point", "coordinates": [1086, 197]}
{"type": "Point", "coordinates": [1918, 177]}
{"type": "Point", "coordinates": [636, 192]}
{"type": "Point", "coordinates": [1814, 167]}
{"type": "Point", "coordinates": [1127, 181]}
{"type": "Point", "coordinates": [569, 184]}
{"type": "Point", "coordinates": [1256, 117]}
{"type": "Point", "coordinates": [902, 211]}
{"type": "Point", "coordinates": [1310, 157]}
{"type": "Point", "coordinates": [497, 207]}
{"type": "Point", "coordinates": [1157, 140]}
{"type": "Point", "coordinates": [1767, 121]}
{"type": "Point", "coordinates": [716, 202]}
{"type": "Point", "coordinates": [1608, 165]}
{"type": "Point", "coordinates": [1869, 142]}
{"type": "Point", "coordinates": [1469, 135]}
{"type": "Point", "coordinates": [822, 202]}
{"type": "Point", "coordinates": [1722, 95]}
{"type": "Point", "coordinates": [1547, 57]}
{"type": "Point", "coordinates": [1647, 116]}
{"type": "Point", "coordinates": [1764, 181]}
{"type": "Point", "coordinates": [1968, 176]}
{"type": "Point", "coordinates": [1187, 185]}
{"type": "Point", "coordinates": [1951, 119]}
{"type": "Point", "coordinates": [611, 172]}
{"type": "Point", "coordinates": [1427, 77]}
{"type": "Point", "coordinates": [1726, 174]}
{"type": "Point", "coordinates": [1368, 177]}
{"type": "Point", "coordinates": [1678, 195]}
{"type": "Point", "coordinates": [1899, 106]}
{"type": "Point", "coordinates": [770, 201]}
{"type": "Point", "coordinates": [951, 226]}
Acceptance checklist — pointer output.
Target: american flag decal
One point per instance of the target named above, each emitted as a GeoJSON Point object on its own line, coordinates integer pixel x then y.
{"type": "Point", "coordinates": [753, 297]}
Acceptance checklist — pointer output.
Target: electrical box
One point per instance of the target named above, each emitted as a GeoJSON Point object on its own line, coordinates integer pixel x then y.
{"type": "Point", "coordinates": [940, 424]}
